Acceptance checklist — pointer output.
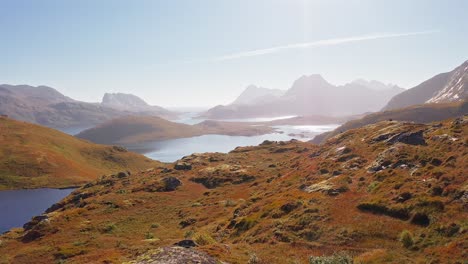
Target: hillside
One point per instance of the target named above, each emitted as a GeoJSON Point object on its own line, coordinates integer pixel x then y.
{"type": "Point", "coordinates": [32, 156]}
{"type": "Point", "coordinates": [442, 88]}
{"type": "Point", "coordinates": [390, 192]}
{"type": "Point", "coordinates": [132, 129]}
{"type": "Point", "coordinates": [46, 106]}
{"type": "Point", "coordinates": [424, 113]}
{"type": "Point", "coordinates": [313, 95]}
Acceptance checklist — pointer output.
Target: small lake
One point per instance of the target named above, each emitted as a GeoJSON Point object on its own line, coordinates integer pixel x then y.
{"type": "Point", "coordinates": [172, 150]}
{"type": "Point", "coordinates": [17, 207]}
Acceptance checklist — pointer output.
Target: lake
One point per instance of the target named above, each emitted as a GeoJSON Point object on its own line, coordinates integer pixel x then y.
{"type": "Point", "coordinates": [17, 207]}
{"type": "Point", "coordinates": [172, 150]}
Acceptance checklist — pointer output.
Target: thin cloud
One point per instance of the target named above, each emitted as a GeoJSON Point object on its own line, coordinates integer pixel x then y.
{"type": "Point", "coordinates": [318, 43]}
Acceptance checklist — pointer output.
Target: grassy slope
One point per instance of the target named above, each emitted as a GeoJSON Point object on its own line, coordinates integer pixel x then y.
{"type": "Point", "coordinates": [424, 113]}
{"type": "Point", "coordinates": [134, 129]}
{"type": "Point", "coordinates": [32, 156]}
{"type": "Point", "coordinates": [272, 216]}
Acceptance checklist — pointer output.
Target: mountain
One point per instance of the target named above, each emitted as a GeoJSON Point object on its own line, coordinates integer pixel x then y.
{"type": "Point", "coordinates": [424, 113]}
{"type": "Point", "coordinates": [45, 106]}
{"type": "Point", "coordinates": [254, 95]}
{"type": "Point", "coordinates": [33, 156]}
{"type": "Point", "coordinates": [313, 95]}
{"type": "Point", "coordinates": [138, 129]}
{"type": "Point", "coordinates": [133, 103]}
{"type": "Point", "coordinates": [390, 192]}
{"type": "Point", "coordinates": [376, 85]}
{"type": "Point", "coordinates": [456, 87]}
{"type": "Point", "coordinates": [444, 87]}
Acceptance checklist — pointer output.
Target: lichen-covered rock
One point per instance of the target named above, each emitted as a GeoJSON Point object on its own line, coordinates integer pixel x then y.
{"type": "Point", "coordinates": [411, 138]}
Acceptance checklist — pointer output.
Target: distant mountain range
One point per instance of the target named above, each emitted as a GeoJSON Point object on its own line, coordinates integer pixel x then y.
{"type": "Point", "coordinates": [46, 106]}
{"type": "Point", "coordinates": [309, 95]}
{"type": "Point", "coordinates": [445, 87]}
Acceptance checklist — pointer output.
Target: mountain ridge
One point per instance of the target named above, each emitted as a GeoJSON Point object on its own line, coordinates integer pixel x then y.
{"type": "Point", "coordinates": [46, 106]}
{"type": "Point", "coordinates": [434, 89]}
{"type": "Point", "coordinates": [312, 95]}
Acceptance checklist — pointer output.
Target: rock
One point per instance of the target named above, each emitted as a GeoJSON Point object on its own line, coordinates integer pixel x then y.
{"type": "Point", "coordinates": [436, 162]}
{"type": "Point", "coordinates": [183, 166]}
{"type": "Point", "coordinates": [289, 207]}
{"type": "Point", "coordinates": [123, 174]}
{"type": "Point", "coordinates": [34, 221]}
{"type": "Point", "coordinates": [119, 149]}
{"type": "Point", "coordinates": [170, 184]}
{"type": "Point", "coordinates": [404, 197]}
{"type": "Point", "coordinates": [214, 159]}
{"type": "Point", "coordinates": [174, 255]}
{"type": "Point", "coordinates": [267, 142]}
{"type": "Point", "coordinates": [342, 150]}
{"type": "Point", "coordinates": [186, 243]}
{"type": "Point", "coordinates": [283, 150]}
{"type": "Point", "coordinates": [222, 174]}
{"type": "Point", "coordinates": [382, 137]}
{"type": "Point", "coordinates": [187, 222]}
{"type": "Point", "coordinates": [324, 171]}
{"type": "Point", "coordinates": [410, 138]}
{"type": "Point", "coordinates": [322, 186]}
{"type": "Point", "coordinates": [39, 229]}
{"type": "Point", "coordinates": [421, 219]}
{"type": "Point", "coordinates": [325, 187]}
{"type": "Point", "coordinates": [336, 173]}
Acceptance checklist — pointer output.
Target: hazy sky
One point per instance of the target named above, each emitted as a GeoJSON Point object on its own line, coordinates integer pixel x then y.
{"type": "Point", "coordinates": [202, 53]}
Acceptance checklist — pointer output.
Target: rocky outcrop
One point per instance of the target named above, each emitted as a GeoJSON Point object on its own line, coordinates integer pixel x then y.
{"type": "Point", "coordinates": [222, 174]}
{"type": "Point", "coordinates": [183, 166]}
{"type": "Point", "coordinates": [411, 138]}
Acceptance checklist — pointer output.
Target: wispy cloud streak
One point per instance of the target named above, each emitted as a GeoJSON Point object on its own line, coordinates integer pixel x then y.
{"type": "Point", "coordinates": [318, 43]}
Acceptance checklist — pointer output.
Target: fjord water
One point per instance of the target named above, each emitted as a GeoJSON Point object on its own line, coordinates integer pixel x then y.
{"type": "Point", "coordinates": [172, 150]}
{"type": "Point", "coordinates": [17, 207]}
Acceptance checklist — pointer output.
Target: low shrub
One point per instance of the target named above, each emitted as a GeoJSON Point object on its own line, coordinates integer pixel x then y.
{"type": "Point", "coordinates": [204, 239]}
{"type": "Point", "coordinates": [406, 238]}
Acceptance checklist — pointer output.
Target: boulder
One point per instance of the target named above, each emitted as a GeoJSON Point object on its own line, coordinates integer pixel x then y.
{"type": "Point", "coordinates": [170, 184]}
{"type": "Point", "coordinates": [34, 221]}
{"type": "Point", "coordinates": [183, 166]}
{"type": "Point", "coordinates": [410, 138]}
{"type": "Point", "coordinates": [186, 243]}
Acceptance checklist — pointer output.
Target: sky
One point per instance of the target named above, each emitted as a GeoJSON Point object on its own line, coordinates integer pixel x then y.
{"type": "Point", "coordinates": [205, 52]}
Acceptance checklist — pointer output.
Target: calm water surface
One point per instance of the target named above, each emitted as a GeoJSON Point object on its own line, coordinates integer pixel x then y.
{"type": "Point", "coordinates": [172, 150]}
{"type": "Point", "coordinates": [17, 207]}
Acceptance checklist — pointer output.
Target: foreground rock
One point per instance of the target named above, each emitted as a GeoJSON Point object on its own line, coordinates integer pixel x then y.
{"type": "Point", "coordinates": [174, 255]}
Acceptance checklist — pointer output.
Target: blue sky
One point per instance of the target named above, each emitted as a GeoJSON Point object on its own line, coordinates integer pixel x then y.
{"type": "Point", "coordinates": [204, 52]}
